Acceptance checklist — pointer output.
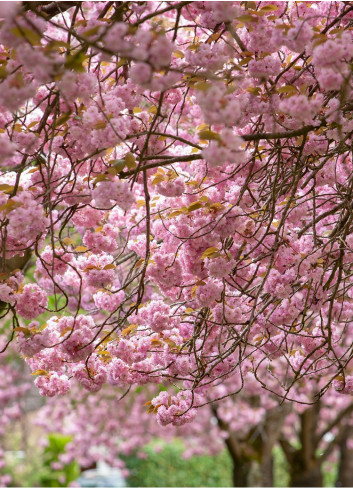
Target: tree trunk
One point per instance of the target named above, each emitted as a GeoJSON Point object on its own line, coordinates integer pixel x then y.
{"type": "Point", "coordinates": [266, 468]}
{"type": "Point", "coordinates": [261, 473]}
{"type": "Point", "coordinates": [269, 434]}
{"type": "Point", "coordinates": [345, 468]}
{"type": "Point", "coordinates": [305, 466]}
{"type": "Point", "coordinates": [304, 477]}
{"type": "Point", "coordinates": [241, 462]}
{"type": "Point", "coordinates": [241, 471]}
{"type": "Point", "coordinates": [252, 455]}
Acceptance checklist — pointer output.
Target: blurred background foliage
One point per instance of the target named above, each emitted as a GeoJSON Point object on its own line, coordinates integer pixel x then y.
{"type": "Point", "coordinates": [158, 465]}
{"type": "Point", "coordinates": [48, 477]}
{"type": "Point", "coordinates": [166, 467]}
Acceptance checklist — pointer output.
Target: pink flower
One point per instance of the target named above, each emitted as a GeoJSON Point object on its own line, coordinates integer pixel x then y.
{"type": "Point", "coordinates": [329, 79]}
{"type": "Point", "coordinates": [160, 52]}
{"type": "Point", "coordinates": [8, 10]}
{"type": "Point", "coordinates": [31, 301]}
{"type": "Point", "coordinates": [108, 301]}
{"type": "Point", "coordinates": [7, 147]}
{"type": "Point", "coordinates": [52, 384]}
{"type": "Point", "coordinates": [265, 67]}
{"type": "Point", "coordinates": [78, 334]}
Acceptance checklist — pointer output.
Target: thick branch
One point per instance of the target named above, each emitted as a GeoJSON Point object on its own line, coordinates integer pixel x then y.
{"type": "Point", "coordinates": [333, 423]}
{"type": "Point", "coordinates": [177, 159]}
{"type": "Point", "coordinates": [278, 135]}
{"type": "Point", "coordinates": [235, 36]}
{"type": "Point", "coordinates": [51, 9]}
{"type": "Point", "coordinates": [288, 450]}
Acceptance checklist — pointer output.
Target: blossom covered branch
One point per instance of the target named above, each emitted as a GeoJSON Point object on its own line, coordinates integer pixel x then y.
{"type": "Point", "coordinates": [181, 174]}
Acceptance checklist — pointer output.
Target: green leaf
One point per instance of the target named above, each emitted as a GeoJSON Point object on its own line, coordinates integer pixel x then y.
{"type": "Point", "coordinates": [210, 251]}
{"type": "Point", "coordinates": [118, 165]}
{"type": "Point", "coordinates": [269, 8]}
{"type": "Point", "coordinates": [289, 89]}
{"type": "Point", "coordinates": [62, 119]}
{"type": "Point", "coordinates": [31, 36]}
{"type": "Point", "coordinates": [5, 188]}
{"type": "Point", "coordinates": [10, 206]}
{"type": "Point", "coordinates": [247, 18]}
{"type": "Point", "coordinates": [210, 135]}
{"type": "Point", "coordinates": [75, 62]}
{"type": "Point", "coordinates": [130, 161]}
{"type": "Point", "coordinates": [40, 372]}
{"type": "Point", "coordinates": [80, 249]}
{"type": "Point", "coordinates": [245, 61]}
{"type": "Point", "coordinates": [194, 206]}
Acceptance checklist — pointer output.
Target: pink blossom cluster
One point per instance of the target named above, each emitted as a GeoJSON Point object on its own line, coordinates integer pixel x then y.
{"type": "Point", "coordinates": [31, 301]}
{"type": "Point", "coordinates": [174, 409]}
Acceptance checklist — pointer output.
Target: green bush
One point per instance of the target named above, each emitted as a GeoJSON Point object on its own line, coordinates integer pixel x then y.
{"type": "Point", "coordinates": [280, 468]}
{"type": "Point", "coordinates": [57, 478]}
{"type": "Point", "coordinates": [167, 468]}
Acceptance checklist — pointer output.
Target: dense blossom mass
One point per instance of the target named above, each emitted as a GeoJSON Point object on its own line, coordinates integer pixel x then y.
{"type": "Point", "coordinates": [176, 197]}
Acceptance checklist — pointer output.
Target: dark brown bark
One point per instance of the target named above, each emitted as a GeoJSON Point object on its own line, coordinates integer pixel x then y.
{"type": "Point", "coordinates": [241, 472]}
{"type": "Point", "coordinates": [306, 476]}
{"type": "Point", "coordinates": [238, 452]}
{"type": "Point", "coordinates": [345, 467]}
{"type": "Point", "coordinates": [255, 448]}
{"type": "Point", "coordinates": [304, 463]}
{"type": "Point", "coordinates": [267, 470]}
{"type": "Point", "coordinates": [241, 463]}
{"type": "Point", "coordinates": [50, 9]}
{"type": "Point", "coordinates": [269, 434]}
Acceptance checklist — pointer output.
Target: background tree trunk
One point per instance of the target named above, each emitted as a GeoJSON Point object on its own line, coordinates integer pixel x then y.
{"type": "Point", "coordinates": [266, 468]}
{"type": "Point", "coordinates": [304, 463]}
{"type": "Point", "coordinates": [303, 476]}
{"type": "Point", "coordinates": [255, 449]}
{"type": "Point", "coordinates": [269, 435]}
{"type": "Point", "coordinates": [241, 472]}
{"type": "Point", "coordinates": [345, 467]}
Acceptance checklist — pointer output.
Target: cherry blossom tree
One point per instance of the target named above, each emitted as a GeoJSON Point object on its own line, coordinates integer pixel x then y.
{"type": "Point", "coordinates": [179, 174]}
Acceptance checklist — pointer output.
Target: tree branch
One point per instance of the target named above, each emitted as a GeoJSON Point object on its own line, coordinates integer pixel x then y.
{"type": "Point", "coordinates": [177, 159]}
{"type": "Point", "coordinates": [333, 423]}
{"type": "Point", "coordinates": [50, 9]}
{"type": "Point", "coordinates": [278, 135]}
